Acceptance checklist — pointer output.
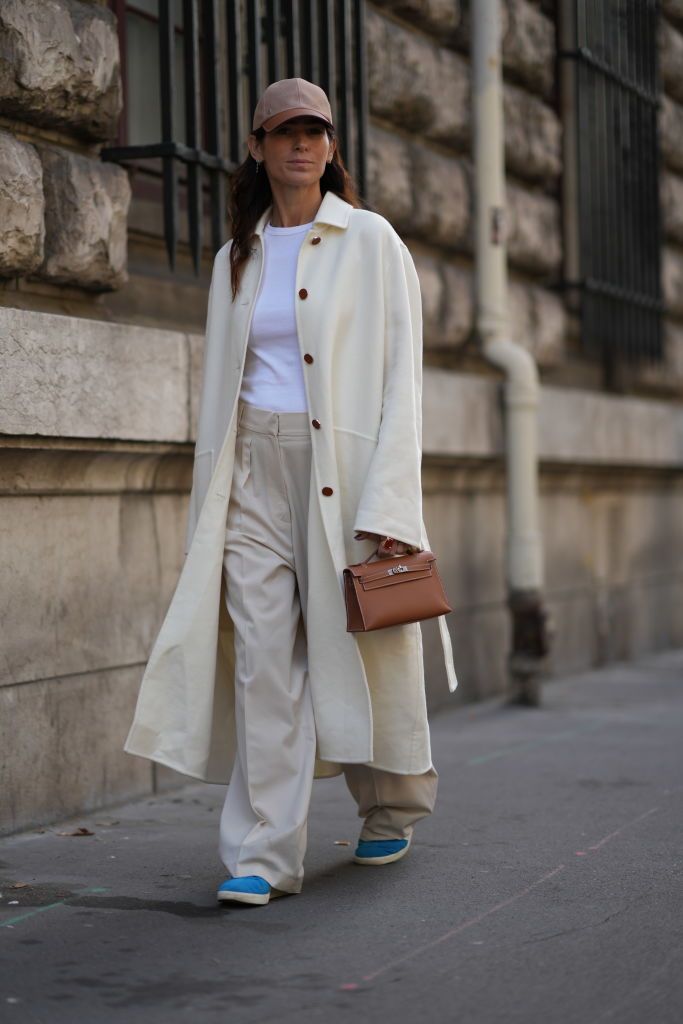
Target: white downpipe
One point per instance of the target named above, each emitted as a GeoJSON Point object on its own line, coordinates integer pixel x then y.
{"type": "Point", "coordinates": [524, 553]}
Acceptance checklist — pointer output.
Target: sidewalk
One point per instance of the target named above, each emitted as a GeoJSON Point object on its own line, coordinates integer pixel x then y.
{"type": "Point", "coordinates": [545, 889]}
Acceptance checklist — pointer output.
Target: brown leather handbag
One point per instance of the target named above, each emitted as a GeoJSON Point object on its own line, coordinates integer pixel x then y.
{"type": "Point", "coordinates": [392, 591]}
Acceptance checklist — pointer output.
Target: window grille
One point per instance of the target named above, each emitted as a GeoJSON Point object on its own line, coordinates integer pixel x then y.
{"type": "Point", "coordinates": [616, 99]}
{"type": "Point", "coordinates": [214, 58]}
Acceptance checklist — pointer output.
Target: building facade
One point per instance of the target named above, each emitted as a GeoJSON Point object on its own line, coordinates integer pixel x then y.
{"type": "Point", "coordinates": [119, 125]}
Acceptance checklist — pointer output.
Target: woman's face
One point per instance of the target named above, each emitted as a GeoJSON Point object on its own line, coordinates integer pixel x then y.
{"type": "Point", "coordinates": [295, 153]}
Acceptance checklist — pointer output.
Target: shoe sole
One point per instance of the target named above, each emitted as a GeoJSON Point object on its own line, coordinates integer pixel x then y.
{"type": "Point", "coordinates": [380, 861]}
{"type": "Point", "coordinates": [259, 899]}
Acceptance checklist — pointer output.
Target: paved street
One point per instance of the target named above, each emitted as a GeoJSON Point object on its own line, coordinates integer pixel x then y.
{"type": "Point", "coordinates": [545, 888]}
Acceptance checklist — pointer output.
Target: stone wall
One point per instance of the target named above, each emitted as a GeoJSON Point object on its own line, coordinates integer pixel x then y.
{"type": "Point", "coordinates": [420, 170]}
{"type": "Point", "coordinates": [62, 210]}
{"type": "Point", "coordinates": [670, 44]}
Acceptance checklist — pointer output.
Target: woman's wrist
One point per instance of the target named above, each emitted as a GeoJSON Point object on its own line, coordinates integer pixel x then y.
{"type": "Point", "coordinates": [387, 546]}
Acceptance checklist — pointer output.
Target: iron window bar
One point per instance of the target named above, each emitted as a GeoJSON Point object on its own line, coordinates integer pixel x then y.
{"type": "Point", "coordinates": [321, 40]}
{"type": "Point", "coordinates": [616, 99]}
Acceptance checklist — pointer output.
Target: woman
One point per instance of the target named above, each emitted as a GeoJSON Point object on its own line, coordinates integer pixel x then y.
{"type": "Point", "coordinates": [307, 459]}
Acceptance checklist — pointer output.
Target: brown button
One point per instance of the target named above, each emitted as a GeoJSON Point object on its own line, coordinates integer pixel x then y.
{"type": "Point", "coordinates": [314, 241]}
{"type": "Point", "coordinates": [303, 294]}
{"type": "Point", "coordinates": [308, 358]}
{"type": "Point", "coordinates": [316, 424]}
{"type": "Point", "coordinates": [327, 490]}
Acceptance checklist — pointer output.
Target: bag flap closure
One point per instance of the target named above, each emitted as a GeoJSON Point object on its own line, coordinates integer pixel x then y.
{"type": "Point", "coordinates": [380, 566]}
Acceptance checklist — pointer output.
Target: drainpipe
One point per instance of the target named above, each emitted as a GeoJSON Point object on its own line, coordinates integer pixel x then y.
{"type": "Point", "coordinates": [524, 554]}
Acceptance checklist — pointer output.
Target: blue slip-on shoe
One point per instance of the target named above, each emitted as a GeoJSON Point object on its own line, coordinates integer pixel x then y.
{"type": "Point", "coordinates": [247, 889]}
{"type": "Point", "coordinates": [380, 851]}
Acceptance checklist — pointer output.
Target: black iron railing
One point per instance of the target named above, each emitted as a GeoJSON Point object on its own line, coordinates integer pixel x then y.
{"type": "Point", "coordinates": [616, 102]}
{"type": "Point", "coordinates": [255, 43]}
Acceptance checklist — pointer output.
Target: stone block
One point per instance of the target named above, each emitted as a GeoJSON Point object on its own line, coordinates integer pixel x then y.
{"type": "Point", "coordinates": [588, 428]}
{"type": "Point", "coordinates": [534, 236]}
{"type": "Point", "coordinates": [667, 375]}
{"type": "Point", "coordinates": [538, 322]}
{"type": "Point", "coordinates": [107, 565]}
{"type": "Point", "coordinates": [62, 743]}
{"type": "Point", "coordinates": [86, 209]}
{"type": "Point", "coordinates": [673, 9]}
{"type": "Point", "coordinates": [608, 586]}
{"type": "Point", "coordinates": [528, 46]}
{"type": "Point", "coordinates": [671, 132]}
{"type": "Point", "coordinates": [460, 415]}
{"type": "Point", "coordinates": [670, 43]}
{"type": "Point", "coordinates": [432, 289]}
{"type": "Point", "coordinates": [467, 530]}
{"type": "Point", "coordinates": [673, 347]}
{"type": "Point", "coordinates": [408, 78]}
{"type": "Point", "coordinates": [520, 314]}
{"type": "Point", "coordinates": [458, 304]}
{"type": "Point", "coordinates": [550, 327]}
{"type": "Point", "coordinates": [390, 177]}
{"type": "Point", "coordinates": [439, 16]}
{"type": "Point", "coordinates": [672, 279]}
{"type": "Point", "coordinates": [671, 200]}
{"type": "Point", "coordinates": [63, 376]}
{"type": "Point", "coordinates": [22, 227]}
{"type": "Point", "coordinates": [533, 136]}
{"type": "Point", "coordinates": [442, 199]}
{"type": "Point", "coordinates": [59, 65]}
{"type": "Point", "coordinates": [538, 318]}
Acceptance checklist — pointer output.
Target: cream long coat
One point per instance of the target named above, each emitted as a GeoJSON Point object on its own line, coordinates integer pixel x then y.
{"type": "Point", "coordinates": [362, 322]}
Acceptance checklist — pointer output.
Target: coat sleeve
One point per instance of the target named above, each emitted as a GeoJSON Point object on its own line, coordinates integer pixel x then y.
{"type": "Point", "coordinates": [391, 498]}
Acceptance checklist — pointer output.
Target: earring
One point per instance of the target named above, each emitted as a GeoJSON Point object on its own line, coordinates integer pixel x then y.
{"type": "Point", "coordinates": [258, 164]}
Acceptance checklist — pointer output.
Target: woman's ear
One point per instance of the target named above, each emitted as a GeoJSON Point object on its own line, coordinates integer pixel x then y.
{"type": "Point", "coordinates": [254, 147]}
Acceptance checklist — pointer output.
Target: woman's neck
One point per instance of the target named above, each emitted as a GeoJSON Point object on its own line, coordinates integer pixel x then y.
{"type": "Point", "coordinates": [291, 210]}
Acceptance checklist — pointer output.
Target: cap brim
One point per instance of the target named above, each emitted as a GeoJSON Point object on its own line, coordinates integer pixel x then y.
{"type": "Point", "coordinates": [287, 115]}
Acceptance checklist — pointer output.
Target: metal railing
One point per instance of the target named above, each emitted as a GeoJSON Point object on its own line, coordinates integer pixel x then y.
{"type": "Point", "coordinates": [244, 47]}
{"type": "Point", "coordinates": [616, 100]}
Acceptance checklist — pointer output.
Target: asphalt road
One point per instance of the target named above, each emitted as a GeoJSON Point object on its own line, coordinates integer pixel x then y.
{"type": "Point", "coordinates": [545, 889]}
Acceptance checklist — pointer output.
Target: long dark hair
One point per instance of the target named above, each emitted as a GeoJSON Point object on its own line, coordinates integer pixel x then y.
{"type": "Point", "coordinates": [250, 194]}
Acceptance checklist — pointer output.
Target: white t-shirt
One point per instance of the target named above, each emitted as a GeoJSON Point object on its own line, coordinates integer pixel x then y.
{"type": "Point", "coordinates": [273, 375]}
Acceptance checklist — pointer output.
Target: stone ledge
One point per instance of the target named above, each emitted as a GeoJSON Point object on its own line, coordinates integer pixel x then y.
{"type": "Point", "coordinates": [461, 417]}
{"type": "Point", "coordinates": [68, 377]}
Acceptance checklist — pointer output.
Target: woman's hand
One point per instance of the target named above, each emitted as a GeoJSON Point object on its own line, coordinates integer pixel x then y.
{"type": "Point", "coordinates": [387, 547]}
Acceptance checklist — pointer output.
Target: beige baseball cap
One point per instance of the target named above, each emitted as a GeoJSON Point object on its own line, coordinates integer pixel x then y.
{"type": "Point", "coordinates": [291, 97]}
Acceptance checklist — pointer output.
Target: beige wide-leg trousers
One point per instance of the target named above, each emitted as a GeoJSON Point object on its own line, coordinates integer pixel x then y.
{"type": "Point", "coordinates": [263, 825]}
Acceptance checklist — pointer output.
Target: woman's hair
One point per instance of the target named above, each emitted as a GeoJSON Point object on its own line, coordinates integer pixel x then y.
{"type": "Point", "coordinates": [250, 194]}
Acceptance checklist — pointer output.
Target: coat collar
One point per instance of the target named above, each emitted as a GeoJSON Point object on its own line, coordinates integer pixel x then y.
{"type": "Point", "coordinates": [333, 210]}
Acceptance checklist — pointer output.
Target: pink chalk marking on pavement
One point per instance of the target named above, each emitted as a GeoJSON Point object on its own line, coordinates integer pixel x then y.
{"type": "Point", "coordinates": [499, 906]}
{"type": "Point", "coordinates": [605, 839]}
{"type": "Point", "coordinates": [618, 831]}
{"type": "Point", "coordinates": [456, 931]}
